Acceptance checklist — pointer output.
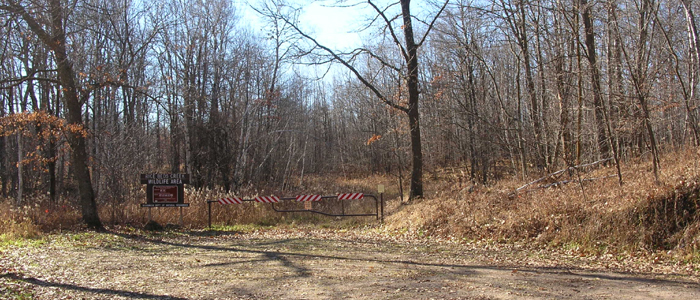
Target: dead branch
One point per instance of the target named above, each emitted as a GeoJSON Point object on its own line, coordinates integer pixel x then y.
{"type": "Point", "coordinates": [556, 184]}
{"type": "Point", "coordinates": [551, 175]}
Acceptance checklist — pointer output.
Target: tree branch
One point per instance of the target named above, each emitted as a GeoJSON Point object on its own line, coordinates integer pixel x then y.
{"type": "Point", "coordinates": [391, 29]}
{"type": "Point", "coordinates": [347, 65]}
{"type": "Point", "coordinates": [14, 7]}
{"type": "Point", "coordinates": [432, 23]}
{"type": "Point", "coordinates": [381, 60]}
{"type": "Point", "coordinates": [561, 171]}
{"type": "Point", "coordinates": [19, 81]}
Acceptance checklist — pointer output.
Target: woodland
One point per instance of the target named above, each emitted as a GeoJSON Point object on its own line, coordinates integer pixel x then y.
{"type": "Point", "coordinates": [94, 93]}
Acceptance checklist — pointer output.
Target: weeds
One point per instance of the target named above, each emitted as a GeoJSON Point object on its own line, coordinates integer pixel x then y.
{"type": "Point", "coordinates": [643, 214]}
{"type": "Point", "coordinates": [596, 216]}
{"type": "Point", "coordinates": [16, 225]}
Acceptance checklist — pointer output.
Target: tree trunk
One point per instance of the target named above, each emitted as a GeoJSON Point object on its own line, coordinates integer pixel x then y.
{"type": "Point", "coordinates": [599, 108]}
{"type": "Point", "coordinates": [77, 141]}
{"type": "Point", "coordinates": [639, 76]}
{"type": "Point", "coordinates": [55, 39]}
{"type": "Point", "coordinates": [615, 87]}
{"type": "Point", "coordinates": [413, 97]}
{"type": "Point", "coordinates": [694, 42]}
{"type": "Point", "coordinates": [523, 42]}
{"type": "Point", "coordinates": [20, 179]}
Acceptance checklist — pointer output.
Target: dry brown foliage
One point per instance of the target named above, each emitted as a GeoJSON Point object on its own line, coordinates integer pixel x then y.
{"type": "Point", "coordinates": [29, 221]}
{"type": "Point", "coordinates": [595, 215]}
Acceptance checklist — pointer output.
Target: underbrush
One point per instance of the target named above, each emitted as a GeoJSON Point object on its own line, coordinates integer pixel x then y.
{"type": "Point", "coordinates": [592, 213]}
{"type": "Point", "coordinates": [262, 214]}
{"type": "Point", "coordinates": [587, 211]}
{"type": "Point", "coordinates": [38, 214]}
{"type": "Point", "coordinates": [30, 220]}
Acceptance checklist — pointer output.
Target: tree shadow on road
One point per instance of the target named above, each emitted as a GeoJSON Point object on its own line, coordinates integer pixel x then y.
{"type": "Point", "coordinates": [457, 269]}
{"type": "Point", "coordinates": [98, 291]}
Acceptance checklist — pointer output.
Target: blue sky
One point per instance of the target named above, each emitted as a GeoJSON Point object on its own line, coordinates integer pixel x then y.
{"type": "Point", "coordinates": [331, 26]}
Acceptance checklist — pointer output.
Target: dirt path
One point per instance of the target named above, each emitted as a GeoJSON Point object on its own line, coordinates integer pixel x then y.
{"type": "Point", "coordinates": [322, 264]}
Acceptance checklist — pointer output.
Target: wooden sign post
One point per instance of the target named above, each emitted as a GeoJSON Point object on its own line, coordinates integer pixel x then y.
{"type": "Point", "coordinates": [165, 190]}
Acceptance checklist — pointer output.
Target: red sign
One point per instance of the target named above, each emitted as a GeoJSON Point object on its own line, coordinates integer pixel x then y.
{"type": "Point", "coordinates": [165, 194]}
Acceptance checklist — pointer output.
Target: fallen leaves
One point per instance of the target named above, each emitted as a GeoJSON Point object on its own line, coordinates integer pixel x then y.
{"type": "Point", "coordinates": [319, 263]}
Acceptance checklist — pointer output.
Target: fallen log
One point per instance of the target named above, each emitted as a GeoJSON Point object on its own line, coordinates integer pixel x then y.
{"type": "Point", "coordinates": [551, 175]}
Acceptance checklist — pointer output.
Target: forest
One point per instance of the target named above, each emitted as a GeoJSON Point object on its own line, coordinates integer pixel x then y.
{"type": "Point", "coordinates": [94, 93]}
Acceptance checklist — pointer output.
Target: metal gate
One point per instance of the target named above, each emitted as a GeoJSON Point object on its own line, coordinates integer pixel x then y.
{"type": "Point", "coordinates": [274, 200]}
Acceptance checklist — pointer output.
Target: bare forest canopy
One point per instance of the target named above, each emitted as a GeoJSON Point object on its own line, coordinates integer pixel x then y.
{"type": "Point", "coordinates": [507, 88]}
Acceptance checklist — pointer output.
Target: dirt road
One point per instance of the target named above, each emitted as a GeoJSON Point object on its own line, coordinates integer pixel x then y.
{"type": "Point", "coordinates": [323, 264]}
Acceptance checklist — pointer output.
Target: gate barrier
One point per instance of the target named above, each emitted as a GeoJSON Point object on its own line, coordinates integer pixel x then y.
{"type": "Point", "coordinates": [378, 203]}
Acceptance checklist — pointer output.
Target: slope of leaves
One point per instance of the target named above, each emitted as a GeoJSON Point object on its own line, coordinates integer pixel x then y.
{"type": "Point", "coordinates": [596, 215]}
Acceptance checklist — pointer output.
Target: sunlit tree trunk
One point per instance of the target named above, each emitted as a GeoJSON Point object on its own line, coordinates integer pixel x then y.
{"type": "Point", "coordinates": [591, 55]}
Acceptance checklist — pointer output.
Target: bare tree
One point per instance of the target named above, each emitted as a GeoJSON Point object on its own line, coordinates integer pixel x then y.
{"type": "Point", "coordinates": [53, 36]}
{"type": "Point", "coordinates": [408, 49]}
{"type": "Point", "coordinates": [605, 142]}
{"type": "Point", "coordinates": [694, 74]}
{"type": "Point", "coordinates": [592, 56]}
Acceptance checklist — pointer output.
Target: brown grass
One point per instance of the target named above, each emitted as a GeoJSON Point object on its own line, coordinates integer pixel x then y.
{"type": "Point", "coordinates": [593, 216]}
{"type": "Point", "coordinates": [41, 215]}
{"type": "Point", "coordinates": [597, 215]}
{"type": "Point", "coordinates": [35, 216]}
{"type": "Point", "coordinates": [196, 215]}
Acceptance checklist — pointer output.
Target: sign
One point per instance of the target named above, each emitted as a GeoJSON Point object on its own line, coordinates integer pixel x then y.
{"type": "Point", "coordinates": [308, 205]}
{"type": "Point", "coordinates": [165, 190]}
{"type": "Point", "coordinates": [165, 193]}
{"type": "Point", "coordinates": [165, 179]}
{"type": "Point", "coordinates": [380, 188]}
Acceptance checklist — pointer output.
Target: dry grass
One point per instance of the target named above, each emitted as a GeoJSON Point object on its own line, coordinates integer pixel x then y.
{"type": "Point", "coordinates": [15, 225]}
{"type": "Point", "coordinates": [31, 219]}
{"type": "Point", "coordinates": [196, 216]}
{"type": "Point", "coordinates": [594, 216]}
{"type": "Point", "coordinates": [41, 215]}
{"type": "Point", "coordinates": [597, 215]}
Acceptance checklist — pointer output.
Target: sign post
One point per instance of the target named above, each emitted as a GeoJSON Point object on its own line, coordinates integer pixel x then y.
{"type": "Point", "coordinates": [165, 190]}
{"type": "Point", "coordinates": [380, 190]}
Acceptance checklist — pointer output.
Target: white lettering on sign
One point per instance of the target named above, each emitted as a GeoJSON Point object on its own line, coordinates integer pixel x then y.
{"type": "Point", "coordinates": [178, 179]}
{"type": "Point", "coordinates": [165, 176]}
{"type": "Point", "coordinates": [165, 194]}
{"type": "Point", "coordinates": [165, 181]}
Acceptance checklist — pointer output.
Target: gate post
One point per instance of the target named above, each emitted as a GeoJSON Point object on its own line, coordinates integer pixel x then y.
{"type": "Point", "coordinates": [380, 189]}
{"type": "Point", "coordinates": [381, 199]}
{"type": "Point", "coordinates": [209, 204]}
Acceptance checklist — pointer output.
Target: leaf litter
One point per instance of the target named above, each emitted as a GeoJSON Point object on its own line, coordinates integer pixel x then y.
{"type": "Point", "coordinates": [320, 263]}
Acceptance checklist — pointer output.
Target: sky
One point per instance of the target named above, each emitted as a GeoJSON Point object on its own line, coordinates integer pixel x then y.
{"type": "Point", "coordinates": [331, 26]}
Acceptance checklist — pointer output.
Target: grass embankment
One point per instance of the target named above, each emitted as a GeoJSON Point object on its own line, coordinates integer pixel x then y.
{"type": "Point", "coordinates": [594, 214]}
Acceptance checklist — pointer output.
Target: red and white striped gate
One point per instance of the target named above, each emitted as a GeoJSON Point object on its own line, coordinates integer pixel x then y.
{"type": "Point", "coordinates": [305, 198]}
{"type": "Point", "coordinates": [351, 196]}
{"type": "Point", "coordinates": [267, 199]}
{"type": "Point", "coordinates": [308, 199]}
{"type": "Point", "coordinates": [231, 200]}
